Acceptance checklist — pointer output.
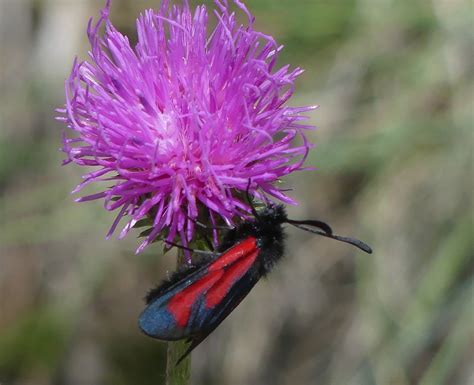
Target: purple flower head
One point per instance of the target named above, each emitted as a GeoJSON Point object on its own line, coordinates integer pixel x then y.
{"type": "Point", "coordinates": [181, 122]}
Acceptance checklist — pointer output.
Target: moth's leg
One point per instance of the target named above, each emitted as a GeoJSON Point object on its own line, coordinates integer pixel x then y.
{"type": "Point", "coordinates": [202, 225]}
{"type": "Point", "coordinates": [194, 251]}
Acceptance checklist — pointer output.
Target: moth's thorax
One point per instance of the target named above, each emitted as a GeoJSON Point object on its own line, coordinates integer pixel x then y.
{"type": "Point", "coordinates": [270, 235]}
{"type": "Point", "coordinates": [267, 230]}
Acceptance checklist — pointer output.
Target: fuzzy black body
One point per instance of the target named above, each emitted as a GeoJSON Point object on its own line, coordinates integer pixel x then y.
{"type": "Point", "coordinates": [268, 231]}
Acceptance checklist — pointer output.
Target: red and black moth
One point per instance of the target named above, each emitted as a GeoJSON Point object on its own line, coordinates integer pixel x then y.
{"type": "Point", "coordinates": [194, 301]}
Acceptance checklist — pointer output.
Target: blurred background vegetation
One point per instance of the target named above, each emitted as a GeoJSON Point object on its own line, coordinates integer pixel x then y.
{"type": "Point", "coordinates": [394, 167]}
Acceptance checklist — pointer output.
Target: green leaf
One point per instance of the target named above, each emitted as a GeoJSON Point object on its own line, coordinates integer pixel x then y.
{"type": "Point", "coordinates": [143, 223]}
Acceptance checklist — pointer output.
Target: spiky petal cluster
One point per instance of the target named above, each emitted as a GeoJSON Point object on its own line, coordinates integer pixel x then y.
{"type": "Point", "coordinates": [183, 120]}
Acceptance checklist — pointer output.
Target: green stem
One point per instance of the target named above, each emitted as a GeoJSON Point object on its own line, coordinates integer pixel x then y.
{"type": "Point", "coordinates": [178, 374]}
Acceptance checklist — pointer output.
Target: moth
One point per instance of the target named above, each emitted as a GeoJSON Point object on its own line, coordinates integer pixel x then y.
{"type": "Point", "coordinates": [194, 301]}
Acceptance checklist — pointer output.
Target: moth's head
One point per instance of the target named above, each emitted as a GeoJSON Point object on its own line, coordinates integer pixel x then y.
{"type": "Point", "coordinates": [273, 214]}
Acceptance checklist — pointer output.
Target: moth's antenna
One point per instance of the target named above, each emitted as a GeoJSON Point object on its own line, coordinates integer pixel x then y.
{"type": "Point", "coordinates": [252, 207]}
{"type": "Point", "coordinates": [312, 223]}
{"type": "Point", "coordinates": [325, 230]}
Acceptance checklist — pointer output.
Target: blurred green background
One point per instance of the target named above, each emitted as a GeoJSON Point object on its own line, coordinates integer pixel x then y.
{"type": "Point", "coordinates": [394, 79]}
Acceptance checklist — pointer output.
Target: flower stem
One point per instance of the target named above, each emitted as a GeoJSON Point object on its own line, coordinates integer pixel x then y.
{"type": "Point", "coordinates": [178, 374]}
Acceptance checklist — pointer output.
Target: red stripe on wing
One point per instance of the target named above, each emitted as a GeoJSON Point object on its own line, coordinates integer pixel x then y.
{"type": "Point", "coordinates": [217, 293]}
{"type": "Point", "coordinates": [180, 305]}
{"type": "Point", "coordinates": [247, 246]}
{"type": "Point", "coordinates": [241, 257]}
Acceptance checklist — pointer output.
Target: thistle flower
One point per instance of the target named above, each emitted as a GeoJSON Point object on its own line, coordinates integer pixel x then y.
{"type": "Point", "coordinates": [181, 122]}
